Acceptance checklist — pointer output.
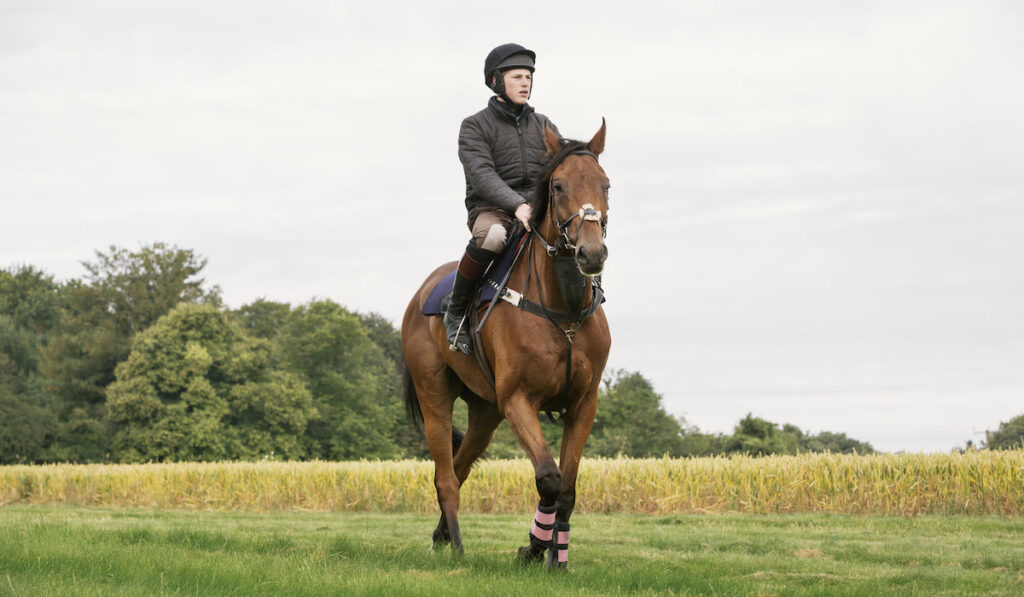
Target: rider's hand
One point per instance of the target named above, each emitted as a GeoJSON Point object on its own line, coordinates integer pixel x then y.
{"type": "Point", "coordinates": [523, 214]}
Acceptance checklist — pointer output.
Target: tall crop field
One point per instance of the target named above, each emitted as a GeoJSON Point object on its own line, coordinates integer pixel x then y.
{"type": "Point", "coordinates": [972, 483]}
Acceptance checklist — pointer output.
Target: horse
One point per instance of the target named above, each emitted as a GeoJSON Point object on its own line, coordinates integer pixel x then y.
{"type": "Point", "coordinates": [540, 362]}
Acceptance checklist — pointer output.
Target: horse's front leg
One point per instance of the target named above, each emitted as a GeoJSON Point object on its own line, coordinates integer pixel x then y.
{"type": "Point", "coordinates": [578, 422]}
{"type": "Point", "coordinates": [522, 419]}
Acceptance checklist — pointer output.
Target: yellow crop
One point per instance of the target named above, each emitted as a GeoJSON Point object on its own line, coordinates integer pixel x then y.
{"type": "Point", "coordinates": [972, 483]}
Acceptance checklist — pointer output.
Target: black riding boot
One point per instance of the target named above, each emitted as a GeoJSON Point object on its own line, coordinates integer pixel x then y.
{"type": "Point", "coordinates": [459, 338]}
{"type": "Point", "coordinates": [471, 269]}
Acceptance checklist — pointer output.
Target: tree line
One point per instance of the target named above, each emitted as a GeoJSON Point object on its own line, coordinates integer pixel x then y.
{"type": "Point", "coordinates": [139, 360]}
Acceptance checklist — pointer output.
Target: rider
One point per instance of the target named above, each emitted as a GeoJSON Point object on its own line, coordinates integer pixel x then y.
{"type": "Point", "coordinates": [502, 150]}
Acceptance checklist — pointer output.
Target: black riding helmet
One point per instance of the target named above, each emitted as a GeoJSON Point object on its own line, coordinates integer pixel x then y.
{"type": "Point", "coordinates": [503, 58]}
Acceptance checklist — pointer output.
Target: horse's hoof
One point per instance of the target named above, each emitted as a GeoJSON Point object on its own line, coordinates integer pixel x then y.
{"type": "Point", "coordinates": [551, 562]}
{"type": "Point", "coordinates": [527, 556]}
{"type": "Point", "coordinates": [439, 542]}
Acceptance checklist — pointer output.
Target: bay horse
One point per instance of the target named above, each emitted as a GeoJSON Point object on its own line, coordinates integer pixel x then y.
{"type": "Point", "coordinates": [540, 362]}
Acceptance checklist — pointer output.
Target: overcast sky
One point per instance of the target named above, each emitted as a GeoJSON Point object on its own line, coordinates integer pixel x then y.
{"type": "Point", "coordinates": [816, 211]}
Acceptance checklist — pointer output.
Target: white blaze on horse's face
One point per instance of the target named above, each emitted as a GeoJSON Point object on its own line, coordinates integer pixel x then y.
{"type": "Point", "coordinates": [581, 196]}
{"type": "Point", "coordinates": [591, 251]}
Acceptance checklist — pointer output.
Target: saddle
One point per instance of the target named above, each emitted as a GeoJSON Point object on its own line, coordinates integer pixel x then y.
{"type": "Point", "coordinates": [437, 301]}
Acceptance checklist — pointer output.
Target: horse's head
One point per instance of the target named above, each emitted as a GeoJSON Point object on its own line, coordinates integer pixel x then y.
{"type": "Point", "coordinates": [571, 205]}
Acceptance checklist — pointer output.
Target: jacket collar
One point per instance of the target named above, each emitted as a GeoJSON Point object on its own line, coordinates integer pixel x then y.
{"type": "Point", "coordinates": [505, 114]}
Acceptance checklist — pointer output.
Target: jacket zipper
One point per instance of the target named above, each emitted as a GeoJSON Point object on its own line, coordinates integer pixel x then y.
{"type": "Point", "coordinates": [522, 154]}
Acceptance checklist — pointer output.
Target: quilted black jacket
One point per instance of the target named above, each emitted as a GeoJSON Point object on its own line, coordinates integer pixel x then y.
{"type": "Point", "coordinates": [501, 155]}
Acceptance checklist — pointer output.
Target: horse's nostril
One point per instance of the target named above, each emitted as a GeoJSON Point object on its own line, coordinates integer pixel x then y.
{"type": "Point", "coordinates": [591, 257]}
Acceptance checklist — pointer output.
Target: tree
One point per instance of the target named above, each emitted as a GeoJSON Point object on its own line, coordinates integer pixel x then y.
{"type": "Point", "coordinates": [79, 361]}
{"type": "Point", "coordinates": [195, 387]}
{"type": "Point", "coordinates": [28, 296]}
{"type": "Point", "coordinates": [25, 422]}
{"type": "Point", "coordinates": [124, 293]}
{"type": "Point", "coordinates": [140, 287]}
{"type": "Point", "coordinates": [631, 421]}
{"type": "Point", "coordinates": [29, 311]}
{"type": "Point", "coordinates": [759, 437]}
{"type": "Point", "coordinates": [262, 318]}
{"type": "Point", "coordinates": [837, 443]}
{"type": "Point", "coordinates": [383, 334]}
{"type": "Point", "coordinates": [355, 387]}
{"type": "Point", "coordinates": [696, 443]}
{"type": "Point", "coordinates": [1009, 436]}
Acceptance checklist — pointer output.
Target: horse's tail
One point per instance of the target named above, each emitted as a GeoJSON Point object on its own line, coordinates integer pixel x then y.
{"type": "Point", "coordinates": [412, 407]}
{"type": "Point", "coordinates": [412, 402]}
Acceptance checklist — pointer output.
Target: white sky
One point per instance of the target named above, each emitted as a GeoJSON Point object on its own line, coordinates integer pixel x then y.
{"type": "Point", "coordinates": [817, 207]}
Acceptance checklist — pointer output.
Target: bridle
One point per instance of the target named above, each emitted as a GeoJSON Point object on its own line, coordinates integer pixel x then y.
{"type": "Point", "coordinates": [586, 213]}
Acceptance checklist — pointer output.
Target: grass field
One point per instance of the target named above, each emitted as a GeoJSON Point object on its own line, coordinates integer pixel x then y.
{"type": "Point", "coordinates": [46, 550]}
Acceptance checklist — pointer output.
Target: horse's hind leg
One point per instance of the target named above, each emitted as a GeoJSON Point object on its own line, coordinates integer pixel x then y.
{"type": "Point", "coordinates": [442, 536]}
{"type": "Point", "coordinates": [436, 405]}
{"type": "Point", "coordinates": [484, 418]}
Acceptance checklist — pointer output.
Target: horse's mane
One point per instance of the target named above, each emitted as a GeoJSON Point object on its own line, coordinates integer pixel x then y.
{"type": "Point", "coordinates": [539, 201]}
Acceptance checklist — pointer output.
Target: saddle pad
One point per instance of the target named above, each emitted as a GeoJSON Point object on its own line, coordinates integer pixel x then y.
{"type": "Point", "coordinates": [437, 302]}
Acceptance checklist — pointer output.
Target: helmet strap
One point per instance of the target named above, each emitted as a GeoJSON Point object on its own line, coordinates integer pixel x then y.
{"type": "Point", "coordinates": [498, 86]}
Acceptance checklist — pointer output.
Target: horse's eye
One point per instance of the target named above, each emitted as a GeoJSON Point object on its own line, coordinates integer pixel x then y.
{"type": "Point", "coordinates": [556, 185]}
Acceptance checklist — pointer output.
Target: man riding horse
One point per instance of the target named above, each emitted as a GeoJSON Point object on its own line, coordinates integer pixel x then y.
{"type": "Point", "coordinates": [546, 341]}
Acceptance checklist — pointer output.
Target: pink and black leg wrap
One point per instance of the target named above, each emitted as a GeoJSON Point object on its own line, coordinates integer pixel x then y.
{"type": "Point", "coordinates": [543, 529]}
{"type": "Point", "coordinates": [561, 544]}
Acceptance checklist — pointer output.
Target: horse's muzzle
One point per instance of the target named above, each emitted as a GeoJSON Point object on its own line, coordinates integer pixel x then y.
{"type": "Point", "coordinates": [590, 258]}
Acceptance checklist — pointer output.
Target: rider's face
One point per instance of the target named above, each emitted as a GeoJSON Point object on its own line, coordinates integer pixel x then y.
{"type": "Point", "coordinates": [518, 83]}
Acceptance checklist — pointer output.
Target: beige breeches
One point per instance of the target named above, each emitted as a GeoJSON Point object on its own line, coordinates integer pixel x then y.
{"type": "Point", "coordinates": [490, 229]}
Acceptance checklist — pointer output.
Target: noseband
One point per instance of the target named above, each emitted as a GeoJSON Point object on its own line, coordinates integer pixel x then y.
{"type": "Point", "coordinates": [587, 213]}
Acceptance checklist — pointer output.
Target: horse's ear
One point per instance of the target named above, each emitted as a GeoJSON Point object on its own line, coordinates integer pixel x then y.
{"type": "Point", "coordinates": [596, 145]}
{"type": "Point", "coordinates": [551, 141]}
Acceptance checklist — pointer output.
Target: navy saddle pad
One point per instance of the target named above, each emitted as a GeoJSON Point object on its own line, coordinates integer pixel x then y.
{"type": "Point", "coordinates": [434, 304]}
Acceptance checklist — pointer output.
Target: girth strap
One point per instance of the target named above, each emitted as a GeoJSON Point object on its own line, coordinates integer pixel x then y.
{"type": "Point", "coordinates": [521, 302]}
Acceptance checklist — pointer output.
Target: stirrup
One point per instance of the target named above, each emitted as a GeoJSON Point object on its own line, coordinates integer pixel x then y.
{"type": "Point", "coordinates": [458, 338]}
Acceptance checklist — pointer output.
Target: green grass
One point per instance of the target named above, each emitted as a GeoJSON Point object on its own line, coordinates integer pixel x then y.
{"type": "Point", "coordinates": [83, 551]}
